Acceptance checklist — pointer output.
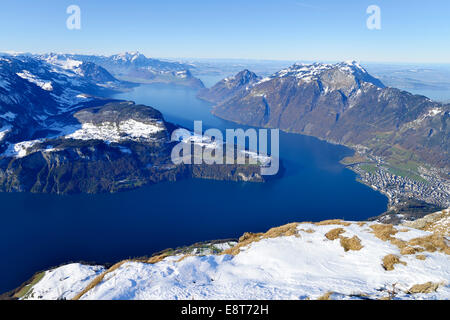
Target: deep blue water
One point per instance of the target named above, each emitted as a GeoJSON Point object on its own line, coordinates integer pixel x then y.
{"type": "Point", "coordinates": [41, 231]}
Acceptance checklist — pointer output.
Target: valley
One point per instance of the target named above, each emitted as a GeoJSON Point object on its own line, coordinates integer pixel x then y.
{"type": "Point", "coordinates": [87, 147]}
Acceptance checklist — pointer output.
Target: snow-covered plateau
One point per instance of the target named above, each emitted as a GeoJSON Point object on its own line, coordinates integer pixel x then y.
{"type": "Point", "coordinates": [116, 132]}
{"type": "Point", "coordinates": [331, 259]}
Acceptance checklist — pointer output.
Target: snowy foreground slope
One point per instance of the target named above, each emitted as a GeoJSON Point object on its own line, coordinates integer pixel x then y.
{"type": "Point", "coordinates": [327, 260]}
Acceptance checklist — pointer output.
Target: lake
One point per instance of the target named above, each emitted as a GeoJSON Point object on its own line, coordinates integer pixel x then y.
{"type": "Point", "coordinates": [39, 231]}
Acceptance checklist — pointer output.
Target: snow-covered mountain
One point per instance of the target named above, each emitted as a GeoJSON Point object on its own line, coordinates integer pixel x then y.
{"type": "Point", "coordinates": [58, 136]}
{"type": "Point", "coordinates": [33, 90]}
{"type": "Point", "coordinates": [324, 71]}
{"type": "Point", "coordinates": [341, 103]}
{"type": "Point", "coordinates": [136, 67]}
{"type": "Point", "coordinates": [331, 259]}
{"type": "Point", "coordinates": [401, 139]}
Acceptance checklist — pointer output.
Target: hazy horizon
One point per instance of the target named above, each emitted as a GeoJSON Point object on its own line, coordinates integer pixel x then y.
{"type": "Point", "coordinates": [225, 59]}
{"type": "Point", "coordinates": [287, 30]}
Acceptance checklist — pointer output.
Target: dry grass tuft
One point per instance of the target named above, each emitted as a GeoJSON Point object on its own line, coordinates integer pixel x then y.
{"type": "Point", "coordinates": [248, 238]}
{"type": "Point", "coordinates": [334, 221]}
{"type": "Point", "coordinates": [156, 259]}
{"type": "Point", "coordinates": [383, 231]}
{"type": "Point", "coordinates": [283, 231]}
{"type": "Point", "coordinates": [353, 243]}
{"type": "Point", "coordinates": [307, 230]}
{"type": "Point", "coordinates": [408, 250]}
{"type": "Point", "coordinates": [99, 279]}
{"type": "Point", "coordinates": [27, 289]}
{"type": "Point", "coordinates": [334, 233]}
{"type": "Point", "coordinates": [185, 256]}
{"type": "Point", "coordinates": [390, 260]}
{"type": "Point", "coordinates": [399, 243]}
{"type": "Point", "coordinates": [431, 243]}
{"type": "Point", "coordinates": [438, 223]}
{"type": "Point", "coordinates": [326, 296]}
{"type": "Point", "coordinates": [421, 257]}
{"type": "Point", "coordinates": [428, 287]}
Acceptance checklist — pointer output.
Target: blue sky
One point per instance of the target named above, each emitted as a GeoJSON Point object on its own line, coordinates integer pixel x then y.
{"type": "Point", "coordinates": [411, 31]}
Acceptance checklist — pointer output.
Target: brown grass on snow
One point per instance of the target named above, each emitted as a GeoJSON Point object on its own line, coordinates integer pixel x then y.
{"type": "Point", "coordinates": [333, 234]}
{"type": "Point", "coordinates": [98, 279]}
{"type": "Point", "coordinates": [155, 259]}
{"type": "Point", "coordinates": [421, 257]}
{"type": "Point", "coordinates": [390, 260]}
{"type": "Point", "coordinates": [383, 231]}
{"type": "Point", "coordinates": [431, 243]}
{"type": "Point", "coordinates": [248, 238]}
{"type": "Point", "coordinates": [334, 221]}
{"type": "Point", "coordinates": [408, 250]}
{"type": "Point", "coordinates": [437, 223]}
{"type": "Point", "coordinates": [307, 230]}
{"type": "Point", "coordinates": [185, 256]}
{"type": "Point", "coordinates": [428, 287]}
{"type": "Point", "coordinates": [353, 243]}
{"type": "Point", "coordinates": [326, 296]}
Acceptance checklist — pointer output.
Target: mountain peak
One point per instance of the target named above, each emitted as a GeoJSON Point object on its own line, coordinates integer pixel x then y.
{"type": "Point", "coordinates": [242, 78]}
{"type": "Point", "coordinates": [315, 71]}
{"type": "Point", "coordinates": [129, 56]}
{"type": "Point", "coordinates": [230, 86]}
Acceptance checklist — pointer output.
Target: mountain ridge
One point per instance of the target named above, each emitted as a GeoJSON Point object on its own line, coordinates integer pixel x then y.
{"type": "Point", "coordinates": [341, 103]}
{"type": "Point", "coordinates": [135, 67]}
{"type": "Point", "coordinates": [408, 261]}
{"type": "Point", "coordinates": [58, 136]}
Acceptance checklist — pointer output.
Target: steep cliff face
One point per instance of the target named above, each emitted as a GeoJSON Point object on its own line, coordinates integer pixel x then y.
{"type": "Point", "coordinates": [331, 259]}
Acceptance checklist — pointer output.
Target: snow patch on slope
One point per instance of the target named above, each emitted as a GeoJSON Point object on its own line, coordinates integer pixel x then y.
{"type": "Point", "coordinates": [45, 85]}
{"type": "Point", "coordinates": [67, 64]}
{"type": "Point", "coordinates": [20, 150]}
{"type": "Point", "coordinates": [311, 72]}
{"type": "Point", "coordinates": [3, 131]}
{"type": "Point", "coordinates": [115, 132]}
{"type": "Point", "coordinates": [64, 282]}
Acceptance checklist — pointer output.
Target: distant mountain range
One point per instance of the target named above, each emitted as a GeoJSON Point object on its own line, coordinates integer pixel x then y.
{"type": "Point", "coordinates": [58, 136]}
{"type": "Point", "coordinates": [33, 92]}
{"type": "Point", "coordinates": [342, 103]}
{"type": "Point", "coordinates": [135, 67]}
